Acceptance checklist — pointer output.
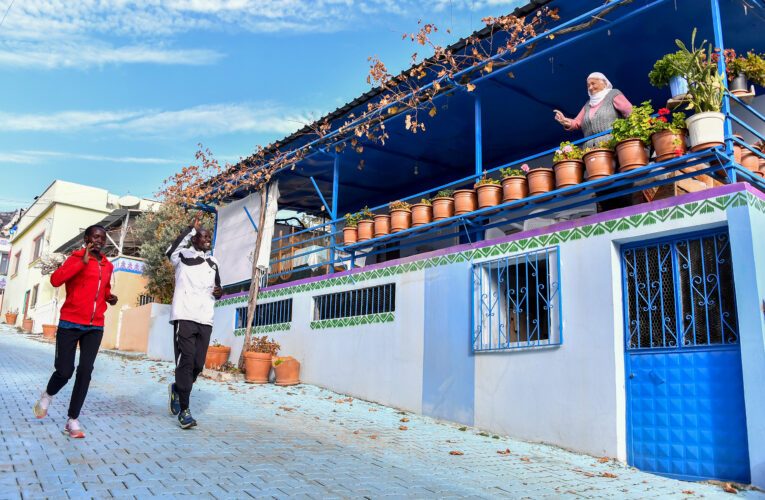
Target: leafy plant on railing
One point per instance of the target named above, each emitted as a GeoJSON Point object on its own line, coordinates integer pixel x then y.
{"type": "Point", "coordinates": [366, 214]}
{"type": "Point", "coordinates": [661, 122]}
{"type": "Point", "coordinates": [399, 205]}
{"type": "Point", "coordinates": [567, 151]}
{"type": "Point", "coordinates": [705, 84]}
{"type": "Point", "coordinates": [486, 180]}
{"type": "Point", "coordinates": [425, 201]}
{"type": "Point", "coordinates": [351, 220]}
{"type": "Point", "coordinates": [515, 172]}
{"type": "Point", "coordinates": [601, 145]}
{"type": "Point", "coordinates": [444, 193]}
{"type": "Point", "coordinates": [636, 126]}
{"type": "Point", "coordinates": [752, 65]}
{"type": "Point", "coordinates": [664, 69]}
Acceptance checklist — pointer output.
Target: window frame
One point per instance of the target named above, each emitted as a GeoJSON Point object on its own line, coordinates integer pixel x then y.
{"type": "Point", "coordinates": [17, 263]}
{"type": "Point", "coordinates": [7, 257]}
{"type": "Point", "coordinates": [35, 255]}
{"type": "Point", "coordinates": [34, 296]}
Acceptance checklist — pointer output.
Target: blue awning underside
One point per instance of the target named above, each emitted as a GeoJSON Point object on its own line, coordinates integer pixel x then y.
{"type": "Point", "coordinates": [517, 112]}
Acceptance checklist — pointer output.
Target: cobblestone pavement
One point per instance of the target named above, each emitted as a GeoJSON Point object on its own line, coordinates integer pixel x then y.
{"type": "Point", "coordinates": [267, 441]}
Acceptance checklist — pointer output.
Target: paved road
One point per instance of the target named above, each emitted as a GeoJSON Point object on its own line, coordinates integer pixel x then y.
{"type": "Point", "coordinates": [267, 441]}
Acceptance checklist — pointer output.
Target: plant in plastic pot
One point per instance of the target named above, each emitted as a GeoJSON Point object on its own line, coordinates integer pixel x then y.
{"type": "Point", "coordinates": [665, 72]}
{"type": "Point", "coordinates": [741, 70]}
{"type": "Point", "coordinates": [257, 359]}
{"type": "Point", "coordinates": [668, 137]}
{"type": "Point", "coordinates": [632, 135]}
{"type": "Point", "coordinates": [350, 231]}
{"type": "Point", "coordinates": [568, 165]}
{"type": "Point", "coordinates": [514, 183]}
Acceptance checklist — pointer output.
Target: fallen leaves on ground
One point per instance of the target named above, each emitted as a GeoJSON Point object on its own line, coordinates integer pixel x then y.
{"type": "Point", "coordinates": [603, 460]}
{"type": "Point", "coordinates": [504, 452]}
{"type": "Point", "coordinates": [373, 436]}
{"type": "Point", "coordinates": [607, 474]}
{"type": "Point", "coordinates": [372, 409]}
{"type": "Point", "coordinates": [402, 427]}
{"type": "Point", "coordinates": [355, 432]}
{"type": "Point", "coordinates": [687, 492]}
{"type": "Point", "coordinates": [450, 441]}
{"type": "Point", "coordinates": [524, 459]}
{"type": "Point", "coordinates": [285, 408]}
{"type": "Point", "coordinates": [405, 419]}
{"type": "Point", "coordinates": [589, 475]}
{"type": "Point", "coordinates": [728, 488]}
{"type": "Point", "coordinates": [571, 491]}
{"type": "Point", "coordinates": [455, 452]}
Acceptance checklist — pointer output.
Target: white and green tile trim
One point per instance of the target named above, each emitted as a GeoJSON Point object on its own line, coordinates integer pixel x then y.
{"type": "Point", "coordinates": [353, 321]}
{"type": "Point", "coordinates": [278, 327]}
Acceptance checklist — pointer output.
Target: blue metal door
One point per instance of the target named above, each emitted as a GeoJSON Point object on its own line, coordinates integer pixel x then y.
{"type": "Point", "coordinates": [685, 399]}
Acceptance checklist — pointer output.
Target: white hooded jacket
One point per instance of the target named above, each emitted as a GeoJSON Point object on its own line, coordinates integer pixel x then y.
{"type": "Point", "coordinates": [196, 274]}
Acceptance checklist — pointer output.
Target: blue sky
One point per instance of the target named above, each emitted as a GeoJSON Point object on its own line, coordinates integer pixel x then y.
{"type": "Point", "coordinates": [118, 94]}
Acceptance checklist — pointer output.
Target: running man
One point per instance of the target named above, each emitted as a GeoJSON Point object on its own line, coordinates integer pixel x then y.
{"type": "Point", "coordinates": [197, 285]}
{"type": "Point", "coordinates": [87, 276]}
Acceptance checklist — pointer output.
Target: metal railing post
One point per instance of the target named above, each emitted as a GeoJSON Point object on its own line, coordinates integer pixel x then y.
{"type": "Point", "coordinates": [728, 128]}
{"type": "Point", "coordinates": [335, 186]}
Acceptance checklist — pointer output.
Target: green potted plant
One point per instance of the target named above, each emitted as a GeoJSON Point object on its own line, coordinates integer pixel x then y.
{"type": "Point", "coordinates": [257, 359]}
{"type": "Point", "coordinates": [514, 183]}
{"type": "Point", "coordinates": [489, 192]}
{"type": "Point", "coordinates": [422, 212]}
{"type": "Point", "coordinates": [11, 315]}
{"type": "Point", "coordinates": [568, 165]}
{"type": "Point", "coordinates": [706, 88]}
{"type": "Point", "coordinates": [400, 216]}
{"type": "Point", "coordinates": [632, 136]}
{"type": "Point", "coordinates": [350, 231]}
{"type": "Point", "coordinates": [217, 355]}
{"type": "Point", "coordinates": [443, 204]}
{"type": "Point", "coordinates": [665, 72]}
{"type": "Point", "coordinates": [741, 70]}
{"type": "Point", "coordinates": [668, 137]}
{"type": "Point", "coordinates": [599, 161]}
{"type": "Point", "coordinates": [365, 224]}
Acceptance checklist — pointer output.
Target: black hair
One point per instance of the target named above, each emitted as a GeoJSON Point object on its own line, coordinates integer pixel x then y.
{"type": "Point", "coordinates": [92, 228]}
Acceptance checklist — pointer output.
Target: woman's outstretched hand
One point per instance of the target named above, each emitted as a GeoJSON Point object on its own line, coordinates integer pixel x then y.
{"type": "Point", "coordinates": [561, 119]}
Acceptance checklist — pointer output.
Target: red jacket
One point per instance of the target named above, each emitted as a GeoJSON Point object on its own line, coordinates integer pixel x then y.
{"type": "Point", "coordinates": [87, 288]}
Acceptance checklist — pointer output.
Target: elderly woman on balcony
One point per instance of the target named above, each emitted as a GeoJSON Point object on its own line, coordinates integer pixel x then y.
{"type": "Point", "coordinates": [606, 104]}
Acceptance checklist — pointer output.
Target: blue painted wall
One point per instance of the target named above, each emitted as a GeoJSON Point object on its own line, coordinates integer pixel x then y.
{"type": "Point", "coordinates": [448, 371]}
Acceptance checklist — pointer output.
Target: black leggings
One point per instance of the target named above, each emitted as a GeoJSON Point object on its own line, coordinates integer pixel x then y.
{"type": "Point", "coordinates": [190, 342]}
{"type": "Point", "coordinates": [66, 348]}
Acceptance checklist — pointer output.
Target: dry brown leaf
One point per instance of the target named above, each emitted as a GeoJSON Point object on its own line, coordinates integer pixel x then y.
{"type": "Point", "coordinates": [373, 436]}
{"type": "Point", "coordinates": [589, 475]}
{"type": "Point", "coordinates": [603, 460]}
{"type": "Point", "coordinates": [454, 452]}
{"type": "Point", "coordinates": [372, 409]}
{"type": "Point", "coordinates": [403, 428]}
{"type": "Point", "coordinates": [470, 87]}
{"type": "Point", "coordinates": [355, 432]}
{"type": "Point", "coordinates": [687, 492]}
{"type": "Point", "coordinates": [504, 452]}
{"type": "Point", "coordinates": [607, 474]}
{"type": "Point", "coordinates": [405, 419]}
{"type": "Point", "coordinates": [524, 459]}
{"type": "Point", "coordinates": [728, 488]}
{"type": "Point", "coordinates": [571, 491]}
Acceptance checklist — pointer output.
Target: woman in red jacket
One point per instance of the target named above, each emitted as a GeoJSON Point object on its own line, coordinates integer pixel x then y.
{"type": "Point", "coordinates": [87, 275]}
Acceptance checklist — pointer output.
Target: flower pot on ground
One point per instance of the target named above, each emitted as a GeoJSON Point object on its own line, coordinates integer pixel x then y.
{"type": "Point", "coordinates": [287, 370]}
{"type": "Point", "coordinates": [706, 130]}
{"type": "Point", "coordinates": [514, 183]}
{"type": "Point", "coordinates": [668, 137]}
{"type": "Point", "coordinates": [489, 192]}
{"type": "Point", "coordinates": [365, 225]}
{"type": "Point", "coordinates": [350, 231]}
{"type": "Point", "coordinates": [217, 355]}
{"type": "Point", "coordinates": [465, 201]}
{"type": "Point", "coordinates": [382, 225]}
{"type": "Point", "coordinates": [49, 331]}
{"type": "Point", "coordinates": [27, 325]}
{"type": "Point", "coordinates": [10, 318]}
{"type": "Point", "coordinates": [631, 135]}
{"type": "Point", "coordinates": [541, 180]}
{"type": "Point", "coordinates": [599, 162]}
{"type": "Point", "coordinates": [568, 165]}
{"type": "Point", "coordinates": [257, 359]}
{"type": "Point", "coordinates": [443, 204]}
{"type": "Point", "coordinates": [400, 216]}
{"type": "Point", "coordinates": [422, 213]}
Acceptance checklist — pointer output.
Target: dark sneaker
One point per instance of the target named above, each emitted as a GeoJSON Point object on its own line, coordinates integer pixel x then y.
{"type": "Point", "coordinates": [174, 403]}
{"type": "Point", "coordinates": [185, 420]}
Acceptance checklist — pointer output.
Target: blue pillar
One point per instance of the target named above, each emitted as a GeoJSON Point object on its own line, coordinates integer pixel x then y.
{"type": "Point", "coordinates": [478, 130]}
{"type": "Point", "coordinates": [717, 24]}
{"type": "Point", "coordinates": [335, 185]}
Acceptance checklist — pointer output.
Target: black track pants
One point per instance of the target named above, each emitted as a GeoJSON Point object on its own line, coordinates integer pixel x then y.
{"type": "Point", "coordinates": [190, 341]}
{"type": "Point", "coordinates": [66, 348]}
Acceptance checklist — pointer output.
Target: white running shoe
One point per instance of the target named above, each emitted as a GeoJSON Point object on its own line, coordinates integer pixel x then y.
{"type": "Point", "coordinates": [74, 429]}
{"type": "Point", "coordinates": [41, 407]}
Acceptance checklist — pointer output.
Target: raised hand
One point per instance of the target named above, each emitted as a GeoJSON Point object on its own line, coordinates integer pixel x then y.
{"type": "Point", "coordinates": [86, 255]}
{"type": "Point", "coordinates": [196, 221]}
{"type": "Point", "coordinates": [560, 118]}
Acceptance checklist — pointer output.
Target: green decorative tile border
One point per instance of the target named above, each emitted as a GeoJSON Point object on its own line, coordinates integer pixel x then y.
{"type": "Point", "coordinates": [353, 321]}
{"type": "Point", "coordinates": [677, 212]}
{"type": "Point", "coordinates": [277, 327]}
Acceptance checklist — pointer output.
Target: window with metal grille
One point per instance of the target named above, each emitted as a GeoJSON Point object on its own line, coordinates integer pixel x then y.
{"type": "Point", "coordinates": [516, 301]}
{"type": "Point", "coordinates": [679, 292]}
{"type": "Point", "coordinates": [357, 302]}
{"type": "Point", "coordinates": [269, 313]}
{"type": "Point", "coordinates": [145, 299]}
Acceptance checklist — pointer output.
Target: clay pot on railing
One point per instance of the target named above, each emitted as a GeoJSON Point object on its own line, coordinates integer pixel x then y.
{"type": "Point", "coordinates": [750, 160]}
{"type": "Point", "coordinates": [465, 201]}
{"type": "Point", "coordinates": [422, 213]}
{"type": "Point", "coordinates": [382, 225]}
{"type": "Point", "coordinates": [568, 173]}
{"type": "Point", "coordinates": [350, 235]}
{"type": "Point", "coordinates": [632, 154]}
{"type": "Point", "coordinates": [400, 219]}
{"type": "Point", "coordinates": [761, 171]}
{"type": "Point", "coordinates": [541, 180]}
{"type": "Point", "coordinates": [216, 356]}
{"type": "Point", "coordinates": [27, 325]}
{"type": "Point", "coordinates": [737, 150]}
{"type": "Point", "coordinates": [257, 366]}
{"type": "Point", "coordinates": [365, 230]}
{"type": "Point", "coordinates": [599, 163]}
{"type": "Point", "coordinates": [515, 187]}
{"type": "Point", "coordinates": [443, 208]}
{"type": "Point", "coordinates": [489, 195]}
{"type": "Point", "coordinates": [49, 331]}
{"type": "Point", "coordinates": [668, 144]}
{"type": "Point", "coordinates": [287, 370]}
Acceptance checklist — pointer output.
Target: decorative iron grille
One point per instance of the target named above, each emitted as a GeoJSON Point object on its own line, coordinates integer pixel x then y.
{"type": "Point", "coordinates": [269, 313]}
{"type": "Point", "coordinates": [145, 299]}
{"type": "Point", "coordinates": [679, 292]}
{"type": "Point", "coordinates": [359, 302]}
{"type": "Point", "coordinates": [516, 301]}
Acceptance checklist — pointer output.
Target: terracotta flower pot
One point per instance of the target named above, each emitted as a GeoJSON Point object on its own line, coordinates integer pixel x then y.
{"type": "Point", "coordinates": [599, 163]}
{"type": "Point", "coordinates": [489, 195]}
{"type": "Point", "coordinates": [10, 318]}
{"type": "Point", "coordinates": [443, 208]}
{"type": "Point", "coordinates": [382, 225]}
{"type": "Point", "coordinates": [27, 324]}
{"type": "Point", "coordinates": [515, 187]}
{"type": "Point", "coordinates": [568, 173]}
{"type": "Point", "coordinates": [422, 213]}
{"type": "Point", "coordinates": [632, 154]}
{"type": "Point", "coordinates": [706, 130]}
{"type": "Point", "coordinates": [216, 357]}
{"type": "Point", "coordinates": [668, 145]}
{"type": "Point", "coordinates": [287, 370]}
{"type": "Point", "coordinates": [465, 201]}
{"type": "Point", "coordinates": [350, 235]}
{"type": "Point", "coordinates": [49, 331]}
{"type": "Point", "coordinates": [257, 366]}
{"type": "Point", "coordinates": [762, 163]}
{"type": "Point", "coordinates": [400, 220]}
{"type": "Point", "coordinates": [541, 180]}
{"type": "Point", "coordinates": [365, 230]}
{"type": "Point", "coordinates": [737, 150]}
{"type": "Point", "coordinates": [750, 160]}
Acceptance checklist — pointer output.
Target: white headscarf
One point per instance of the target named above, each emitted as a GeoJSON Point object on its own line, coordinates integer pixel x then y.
{"type": "Point", "coordinates": [599, 96]}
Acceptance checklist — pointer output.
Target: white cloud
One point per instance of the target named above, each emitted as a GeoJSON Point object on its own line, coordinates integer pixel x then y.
{"type": "Point", "coordinates": [29, 157]}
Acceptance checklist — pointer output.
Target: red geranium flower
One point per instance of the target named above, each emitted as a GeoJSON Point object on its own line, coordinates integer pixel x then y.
{"type": "Point", "coordinates": [679, 152]}
{"type": "Point", "coordinates": [662, 118]}
{"type": "Point", "coordinates": [663, 111]}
